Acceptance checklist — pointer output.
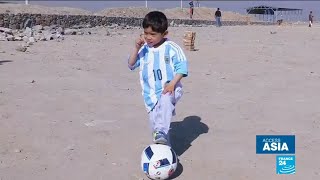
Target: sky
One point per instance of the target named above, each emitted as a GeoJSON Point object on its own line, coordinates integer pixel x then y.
{"type": "Point", "coordinates": [238, 6]}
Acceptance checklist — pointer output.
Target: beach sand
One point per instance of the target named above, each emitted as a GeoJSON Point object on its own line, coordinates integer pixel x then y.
{"type": "Point", "coordinates": [73, 110]}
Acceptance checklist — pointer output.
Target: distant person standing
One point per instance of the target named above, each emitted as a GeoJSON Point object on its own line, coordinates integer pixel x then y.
{"type": "Point", "coordinates": [191, 9]}
{"type": "Point", "coordinates": [218, 17]}
{"type": "Point", "coordinates": [310, 19]}
{"type": "Point", "coordinates": [197, 3]}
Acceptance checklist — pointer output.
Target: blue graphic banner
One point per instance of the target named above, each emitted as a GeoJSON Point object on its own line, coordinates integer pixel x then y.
{"type": "Point", "coordinates": [275, 144]}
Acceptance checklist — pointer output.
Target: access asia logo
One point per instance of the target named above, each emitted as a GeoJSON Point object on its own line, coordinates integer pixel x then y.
{"type": "Point", "coordinates": [275, 144]}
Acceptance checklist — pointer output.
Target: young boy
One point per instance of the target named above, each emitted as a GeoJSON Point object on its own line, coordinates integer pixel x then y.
{"type": "Point", "coordinates": [162, 65]}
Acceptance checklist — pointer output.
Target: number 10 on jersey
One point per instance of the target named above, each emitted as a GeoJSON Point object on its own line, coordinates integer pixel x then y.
{"type": "Point", "coordinates": [157, 75]}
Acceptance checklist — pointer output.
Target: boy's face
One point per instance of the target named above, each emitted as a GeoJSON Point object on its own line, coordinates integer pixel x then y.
{"type": "Point", "coordinates": [153, 38]}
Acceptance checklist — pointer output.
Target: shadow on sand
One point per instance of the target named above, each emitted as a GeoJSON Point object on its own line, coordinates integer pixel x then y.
{"type": "Point", "coordinates": [4, 61]}
{"type": "Point", "coordinates": [182, 134]}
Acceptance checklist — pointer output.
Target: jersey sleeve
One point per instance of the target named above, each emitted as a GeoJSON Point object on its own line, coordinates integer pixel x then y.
{"type": "Point", "coordinates": [139, 56]}
{"type": "Point", "coordinates": [180, 62]}
{"type": "Point", "coordinates": [137, 64]}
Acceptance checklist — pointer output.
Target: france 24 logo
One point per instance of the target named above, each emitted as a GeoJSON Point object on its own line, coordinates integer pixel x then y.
{"type": "Point", "coordinates": [275, 144]}
{"type": "Point", "coordinates": [286, 164]}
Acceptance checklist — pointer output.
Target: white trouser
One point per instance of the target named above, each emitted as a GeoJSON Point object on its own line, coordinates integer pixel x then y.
{"type": "Point", "coordinates": [161, 115]}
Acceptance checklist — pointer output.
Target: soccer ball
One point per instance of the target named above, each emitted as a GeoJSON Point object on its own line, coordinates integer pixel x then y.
{"type": "Point", "coordinates": [158, 161]}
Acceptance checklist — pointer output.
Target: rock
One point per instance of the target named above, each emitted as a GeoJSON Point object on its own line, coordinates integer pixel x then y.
{"type": "Point", "coordinates": [10, 38]}
{"type": "Point", "coordinates": [49, 37]}
{"type": "Point", "coordinates": [53, 26]}
{"type": "Point", "coordinates": [3, 37]}
{"type": "Point", "coordinates": [15, 31]}
{"type": "Point", "coordinates": [18, 150]}
{"type": "Point", "coordinates": [81, 26]}
{"type": "Point", "coordinates": [114, 26]}
{"type": "Point", "coordinates": [28, 32]}
{"type": "Point", "coordinates": [70, 32]}
{"type": "Point", "coordinates": [53, 31]}
{"type": "Point", "coordinates": [58, 36]}
{"type": "Point", "coordinates": [6, 30]}
{"type": "Point", "coordinates": [31, 41]}
{"type": "Point", "coordinates": [25, 38]}
{"type": "Point", "coordinates": [60, 30]}
{"type": "Point", "coordinates": [38, 28]}
{"type": "Point", "coordinates": [172, 23]}
{"type": "Point", "coordinates": [21, 48]}
{"type": "Point", "coordinates": [80, 33]}
{"type": "Point", "coordinates": [27, 24]}
{"type": "Point", "coordinates": [37, 37]}
{"type": "Point", "coordinates": [42, 38]}
{"type": "Point", "coordinates": [46, 28]}
{"type": "Point", "coordinates": [17, 38]}
{"type": "Point", "coordinates": [18, 34]}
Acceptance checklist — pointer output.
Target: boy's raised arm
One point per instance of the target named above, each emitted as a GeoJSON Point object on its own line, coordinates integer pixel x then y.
{"type": "Point", "coordinates": [132, 62]}
{"type": "Point", "coordinates": [133, 58]}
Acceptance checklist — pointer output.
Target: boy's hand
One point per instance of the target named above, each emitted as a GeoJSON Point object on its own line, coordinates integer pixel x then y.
{"type": "Point", "coordinates": [169, 88]}
{"type": "Point", "coordinates": [139, 42]}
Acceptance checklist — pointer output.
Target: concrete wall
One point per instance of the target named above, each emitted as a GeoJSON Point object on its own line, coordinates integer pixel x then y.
{"type": "Point", "coordinates": [18, 21]}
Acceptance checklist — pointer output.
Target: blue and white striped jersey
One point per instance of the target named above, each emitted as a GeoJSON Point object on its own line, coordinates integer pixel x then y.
{"type": "Point", "coordinates": [158, 66]}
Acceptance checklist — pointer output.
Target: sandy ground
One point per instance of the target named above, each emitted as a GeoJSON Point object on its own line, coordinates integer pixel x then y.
{"type": "Point", "coordinates": [72, 109]}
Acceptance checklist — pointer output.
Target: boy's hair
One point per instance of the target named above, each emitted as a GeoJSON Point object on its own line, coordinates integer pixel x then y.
{"type": "Point", "coordinates": [156, 20]}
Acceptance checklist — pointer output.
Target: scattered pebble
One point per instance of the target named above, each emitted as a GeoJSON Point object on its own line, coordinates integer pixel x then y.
{"type": "Point", "coordinates": [17, 150]}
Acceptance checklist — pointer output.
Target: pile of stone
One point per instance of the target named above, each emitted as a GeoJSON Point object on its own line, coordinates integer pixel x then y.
{"type": "Point", "coordinates": [29, 35]}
